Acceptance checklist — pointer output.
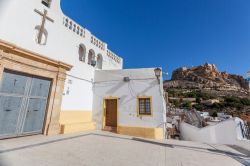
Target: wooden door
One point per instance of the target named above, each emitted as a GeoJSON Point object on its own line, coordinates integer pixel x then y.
{"type": "Point", "coordinates": [111, 113]}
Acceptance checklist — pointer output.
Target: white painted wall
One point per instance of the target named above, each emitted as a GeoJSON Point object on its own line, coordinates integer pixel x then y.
{"type": "Point", "coordinates": [18, 23]}
{"type": "Point", "coordinates": [239, 127]}
{"type": "Point", "coordinates": [222, 133]}
{"type": "Point", "coordinates": [245, 144]}
{"type": "Point", "coordinates": [17, 26]}
{"type": "Point", "coordinates": [143, 83]}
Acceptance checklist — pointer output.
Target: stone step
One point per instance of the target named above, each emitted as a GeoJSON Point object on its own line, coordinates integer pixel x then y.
{"type": "Point", "coordinates": [110, 129]}
{"type": "Point", "coordinates": [77, 127]}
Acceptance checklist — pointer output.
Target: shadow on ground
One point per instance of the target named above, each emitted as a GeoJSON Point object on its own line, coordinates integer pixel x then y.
{"type": "Point", "coordinates": [245, 154]}
{"type": "Point", "coordinates": [3, 161]}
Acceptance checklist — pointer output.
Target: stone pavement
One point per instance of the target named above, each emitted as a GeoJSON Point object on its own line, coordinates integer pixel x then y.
{"type": "Point", "coordinates": [106, 149]}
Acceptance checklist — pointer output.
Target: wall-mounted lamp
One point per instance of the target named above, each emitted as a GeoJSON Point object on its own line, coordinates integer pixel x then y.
{"type": "Point", "coordinates": [158, 74]}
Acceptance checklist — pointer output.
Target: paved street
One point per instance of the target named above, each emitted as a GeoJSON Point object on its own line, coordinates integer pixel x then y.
{"type": "Point", "coordinates": [105, 149]}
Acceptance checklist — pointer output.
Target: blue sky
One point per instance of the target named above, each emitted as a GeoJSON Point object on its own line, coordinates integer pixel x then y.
{"type": "Point", "coordinates": [170, 33]}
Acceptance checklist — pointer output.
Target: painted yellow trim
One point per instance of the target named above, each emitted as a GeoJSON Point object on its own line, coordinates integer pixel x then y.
{"type": "Point", "coordinates": [77, 127]}
{"type": "Point", "coordinates": [104, 109]}
{"type": "Point", "coordinates": [151, 133]}
{"type": "Point", "coordinates": [75, 116]}
{"type": "Point", "coordinates": [104, 114]}
{"type": "Point", "coordinates": [111, 97]}
{"type": "Point", "coordinates": [76, 121]}
{"type": "Point", "coordinates": [138, 106]}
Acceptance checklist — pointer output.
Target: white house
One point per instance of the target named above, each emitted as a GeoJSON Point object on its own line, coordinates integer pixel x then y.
{"type": "Point", "coordinates": [57, 77]}
{"type": "Point", "coordinates": [138, 96]}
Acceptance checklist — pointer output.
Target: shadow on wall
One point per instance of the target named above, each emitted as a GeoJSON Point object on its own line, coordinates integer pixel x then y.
{"type": "Point", "coordinates": [110, 92]}
{"type": "Point", "coordinates": [134, 94]}
{"type": "Point", "coordinates": [152, 84]}
{"type": "Point", "coordinates": [124, 99]}
{"type": "Point", "coordinates": [115, 88]}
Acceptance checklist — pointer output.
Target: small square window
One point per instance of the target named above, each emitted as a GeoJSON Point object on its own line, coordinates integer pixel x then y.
{"type": "Point", "coordinates": [144, 105]}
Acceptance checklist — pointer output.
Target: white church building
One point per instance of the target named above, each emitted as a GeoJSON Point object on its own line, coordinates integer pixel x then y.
{"type": "Point", "coordinates": [56, 77]}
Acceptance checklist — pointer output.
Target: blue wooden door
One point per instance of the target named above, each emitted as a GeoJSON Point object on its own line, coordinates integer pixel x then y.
{"type": "Point", "coordinates": [23, 102]}
{"type": "Point", "coordinates": [36, 106]}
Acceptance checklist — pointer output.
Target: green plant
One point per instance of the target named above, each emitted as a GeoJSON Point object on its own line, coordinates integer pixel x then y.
{"type": "Point", "coordinates": [177, 103]}
{"type": "Point", "coordinates": [245, 101]}
{"type": "Point", "coordinates": [214, 114]}
{"type": "Point", "coordinates": [198, 107]}
{"type": "Point", "coordinates": [187, 104]}
{"type": "Point", "coordinates": [198, 100]}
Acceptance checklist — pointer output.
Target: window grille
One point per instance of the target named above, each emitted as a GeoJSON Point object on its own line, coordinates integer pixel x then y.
{"type": "Point", "coordinates": [145, 106]}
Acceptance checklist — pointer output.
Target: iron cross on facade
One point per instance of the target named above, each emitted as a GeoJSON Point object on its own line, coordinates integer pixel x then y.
{"type": "Point", "coordinates": [44, 18]}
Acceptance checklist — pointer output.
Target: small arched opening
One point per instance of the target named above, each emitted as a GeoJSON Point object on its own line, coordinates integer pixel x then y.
{"type": "Point", "coordinates": [91, 58]}
{"type": "Point", "coordinates": [82, 52]}
{"type": "Point", "coordinates": [99, 61]}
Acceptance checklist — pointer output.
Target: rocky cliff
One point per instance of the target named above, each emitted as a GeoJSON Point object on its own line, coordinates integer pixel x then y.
{"type": "Point", "coordinates": [207, 77]}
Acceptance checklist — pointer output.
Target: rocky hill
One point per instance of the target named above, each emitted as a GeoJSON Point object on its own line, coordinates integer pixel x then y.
{"type": "Point", "coordinates": [207, 77]}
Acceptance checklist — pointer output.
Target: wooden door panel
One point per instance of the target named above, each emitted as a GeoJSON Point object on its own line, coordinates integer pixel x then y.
{"type": "Point", "coordinates": [111, 113]}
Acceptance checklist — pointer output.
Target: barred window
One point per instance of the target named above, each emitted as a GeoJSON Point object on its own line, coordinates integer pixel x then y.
{"type": "Point", "coordinates": [145, 106]}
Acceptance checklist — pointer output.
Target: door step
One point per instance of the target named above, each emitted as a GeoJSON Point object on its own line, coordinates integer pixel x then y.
{"type": "Point", "coordinates": [110, 129]}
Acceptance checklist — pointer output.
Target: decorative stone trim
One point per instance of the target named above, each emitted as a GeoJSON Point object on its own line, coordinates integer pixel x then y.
{"type": "Point", "coordinates": [74, 27]}
{"type": "Point", "coordinates": [24, 61]}
{"type": "Point", "coordinates": [11, 48]}
{"type": "Point", "coordinates": [98, 43]}
{"type": "Point", "coordinates": [113, 56]}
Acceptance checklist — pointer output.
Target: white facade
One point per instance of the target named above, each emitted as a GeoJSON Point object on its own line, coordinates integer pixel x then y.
{"type": "Point", "coordinates": [143, 82]}
{"type": "Point", "coordinates": [18, 18]}
{"type": "Point", "coordinates": [63, 40]}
